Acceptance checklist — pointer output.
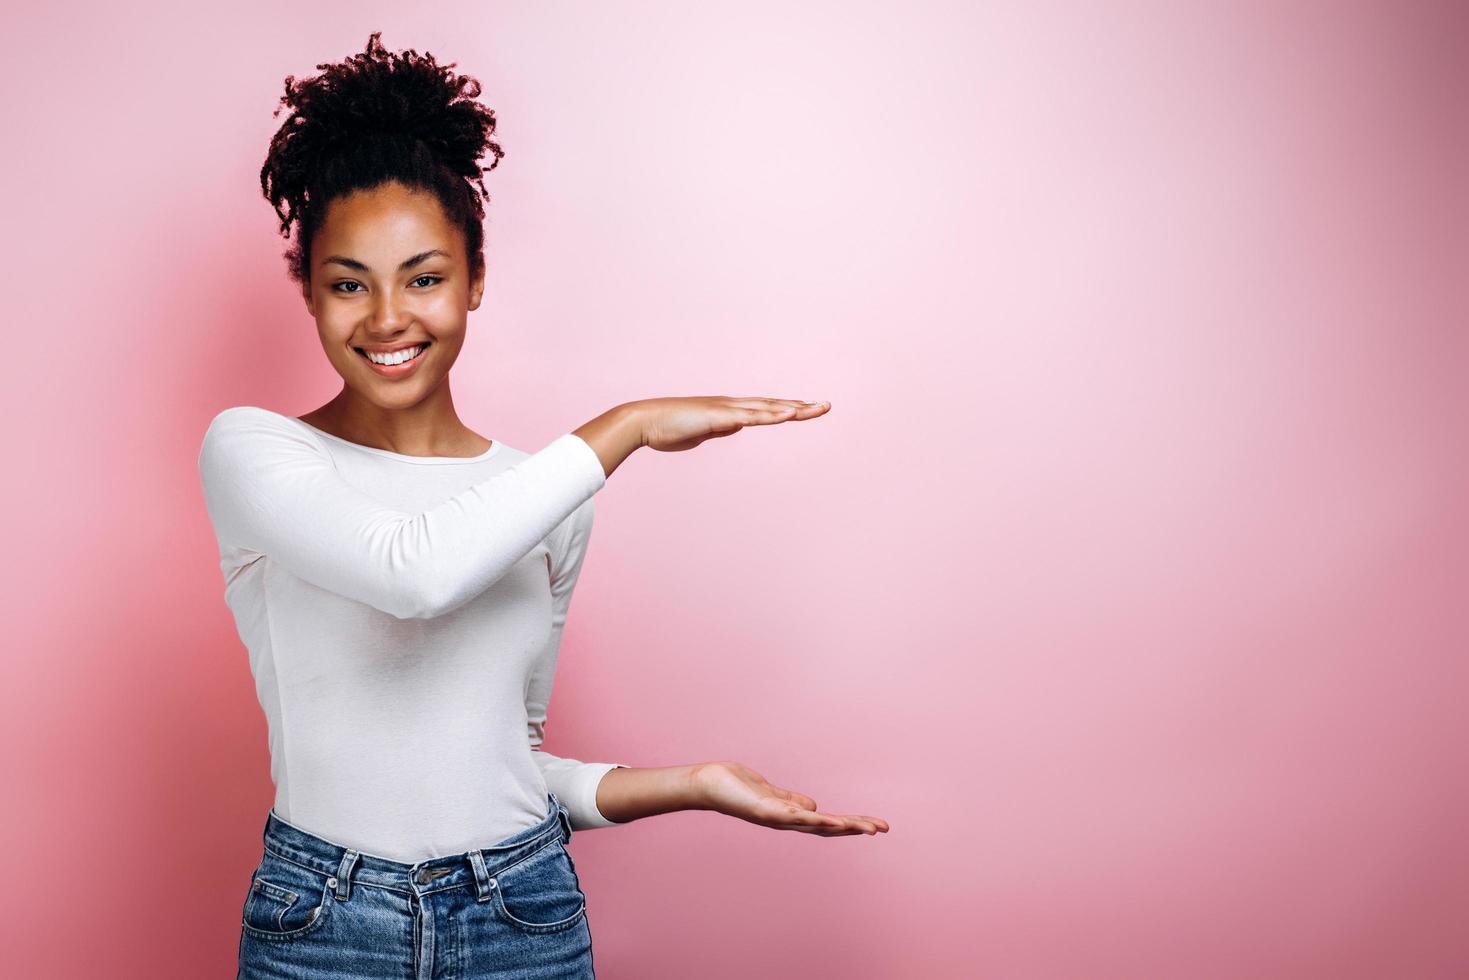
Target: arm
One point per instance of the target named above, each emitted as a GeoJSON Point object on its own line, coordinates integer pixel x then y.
{"type": "Point", "coordinates": [573, 782]}
{"type": "Point", "coordinates": [272, 489]}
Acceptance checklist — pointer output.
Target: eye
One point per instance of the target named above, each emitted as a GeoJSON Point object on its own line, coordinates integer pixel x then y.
{"type": "Point", "coordinates": [337, 286]}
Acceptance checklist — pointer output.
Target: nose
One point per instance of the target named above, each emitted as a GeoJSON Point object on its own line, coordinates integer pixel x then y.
{"type": "Point", "coordinates": [390, 316]}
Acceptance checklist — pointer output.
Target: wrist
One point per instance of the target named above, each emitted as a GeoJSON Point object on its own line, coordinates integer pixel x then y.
{"type": "Point", "coordinates": [629, 793]}
{"type": "Point", "coordinates": [630, 416]}
{"type": "Point", "coordinates": [693, 786]}
{"type": "Point", "coordinates": [614, 435]}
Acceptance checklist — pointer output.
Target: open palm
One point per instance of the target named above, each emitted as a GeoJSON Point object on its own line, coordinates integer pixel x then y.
{"type": "Point", "coordinates": [675, 424]}
{"type": "Point", "coordinates": [739, 791]}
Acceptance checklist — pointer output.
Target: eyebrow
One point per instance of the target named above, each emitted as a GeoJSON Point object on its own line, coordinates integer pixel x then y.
{"type": "Point", "coordinates": [403, 266]}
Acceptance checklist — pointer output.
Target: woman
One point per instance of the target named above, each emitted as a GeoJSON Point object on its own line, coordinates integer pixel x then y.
{"type": "Point", "coordinates": [401, 582]}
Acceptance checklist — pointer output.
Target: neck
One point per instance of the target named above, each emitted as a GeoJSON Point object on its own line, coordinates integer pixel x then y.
{"type": "Point", "coordinates": [430, 427]}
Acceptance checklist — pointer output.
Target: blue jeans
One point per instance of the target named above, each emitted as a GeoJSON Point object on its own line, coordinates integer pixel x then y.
{"type": "Point", "coordinates": [513, 910]}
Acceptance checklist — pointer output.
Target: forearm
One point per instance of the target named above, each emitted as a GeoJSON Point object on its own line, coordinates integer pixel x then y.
{"type": "Point", "coordinates": [627, 793]}
{"type": "Point", "coordinates": [614, 435]}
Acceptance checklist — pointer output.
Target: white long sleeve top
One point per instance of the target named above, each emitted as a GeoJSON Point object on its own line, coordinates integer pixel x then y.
{"type": "Point", "coordinates": [403, 616]}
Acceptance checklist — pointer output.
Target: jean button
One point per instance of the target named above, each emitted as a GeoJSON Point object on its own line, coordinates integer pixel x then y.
{"type": "Point", "coordinates": [423, 876]}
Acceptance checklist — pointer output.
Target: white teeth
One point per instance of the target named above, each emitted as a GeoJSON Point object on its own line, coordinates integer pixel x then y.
{"type": "Point", "coordinates": [397, 357]}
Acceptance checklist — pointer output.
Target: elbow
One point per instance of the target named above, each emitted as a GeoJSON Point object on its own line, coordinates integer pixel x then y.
{"type": "Point", "coordinates": [416, 609]}
{"type": "Point", "coordinates": [404, 603]}
{"type": "Point", "coordinates": [426, 603]}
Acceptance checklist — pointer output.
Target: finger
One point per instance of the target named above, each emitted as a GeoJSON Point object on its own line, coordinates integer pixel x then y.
{"type": "Point", "coordinates": [872, 825]}
{"type": "Point", "coordinates": [786, 413]}
{"type": "Point", "coordinates": [798, 406]}
{"type": "Point", "coordinates": [808, 410]}
{"type": "Point", "coordinates": [762, 407]}
{"type": "Point", "coordinates": [765, 416]}
{"type": "Point", "coordinates": [827, 824]}
{"type": "Point", "coordinates": [830, 832]}
{"type": "Point", "coordinates": [799, 819]}
{"type": "Point", "coordinates": [867, 824]}
{"type": "Point", "coordinates": [775, 403]}
{"type": "Point", "coordinates": [822, 831]}
{"type": "Point", "coordinates": [799, 799]}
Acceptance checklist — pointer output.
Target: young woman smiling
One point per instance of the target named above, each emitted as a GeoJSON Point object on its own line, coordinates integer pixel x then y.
{"type": "Point", "coordinates": [401, 582]}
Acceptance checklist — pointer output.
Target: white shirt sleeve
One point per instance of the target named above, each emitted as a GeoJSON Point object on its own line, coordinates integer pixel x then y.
{"type": "Point", "coordinates": [271, 489]}
{"type": "Point", "coordinates": [573, 782]}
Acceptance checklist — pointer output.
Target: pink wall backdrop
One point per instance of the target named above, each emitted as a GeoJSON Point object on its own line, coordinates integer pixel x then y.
{"type": "Point", "coordinates": [1126, 577]}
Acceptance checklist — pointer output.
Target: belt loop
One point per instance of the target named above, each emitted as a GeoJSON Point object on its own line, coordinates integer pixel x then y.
{"type": "Point", "coordinates": [483, 883]}
{"type": "Point", "coordinates": [564, 815]}
{"type": "Point", "coordinates": [344, 875]}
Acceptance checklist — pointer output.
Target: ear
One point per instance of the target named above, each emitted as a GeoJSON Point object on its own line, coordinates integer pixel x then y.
{"type": "Point", "coordinates": [477, 288]}
{"type": "Point", "coordinates": [310, 303]}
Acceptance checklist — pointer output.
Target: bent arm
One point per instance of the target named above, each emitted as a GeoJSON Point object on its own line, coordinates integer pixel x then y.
{"type": "Point", "coordinates": [574, 782]}
{"type": "Point", "coordinates": [271, 489]}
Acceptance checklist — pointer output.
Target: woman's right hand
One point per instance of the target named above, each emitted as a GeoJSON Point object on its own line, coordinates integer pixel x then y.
{"type": "Point", "coordinates": [672, 425]}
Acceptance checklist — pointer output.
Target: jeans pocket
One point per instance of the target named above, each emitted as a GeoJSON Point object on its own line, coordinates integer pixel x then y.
{"type": "Point", "coordinates": [286, 900]}
{"type": "Point", "coordinates": [540, 894]}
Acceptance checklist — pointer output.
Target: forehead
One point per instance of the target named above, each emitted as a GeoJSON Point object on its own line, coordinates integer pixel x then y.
{"type": "Point", "coordinates": [385, 220]}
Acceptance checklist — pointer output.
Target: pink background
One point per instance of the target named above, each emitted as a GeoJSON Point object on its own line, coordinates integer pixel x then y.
{"type": "Point", "coordinates": [1126, 577]}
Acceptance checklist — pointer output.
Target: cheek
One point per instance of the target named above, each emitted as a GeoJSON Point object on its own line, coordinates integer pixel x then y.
{"type": "Point", "coordinates": [331, 339]}
{"type": "Point", "coordinates": [447, 330]}
{"type": "Point", "coordinates": [446, 313]}
{"type": "Point", "coordinates": [445, 350]}
{"type": "Point", "coordinates": [332, 325]}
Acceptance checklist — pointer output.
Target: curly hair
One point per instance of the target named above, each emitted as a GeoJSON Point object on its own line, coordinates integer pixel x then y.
{"type": "Point", "coordinates": [379, 117]}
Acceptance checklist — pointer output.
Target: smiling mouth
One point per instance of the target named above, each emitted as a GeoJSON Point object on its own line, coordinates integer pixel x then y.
{"type": "Point", "coordinates": [422, 349]}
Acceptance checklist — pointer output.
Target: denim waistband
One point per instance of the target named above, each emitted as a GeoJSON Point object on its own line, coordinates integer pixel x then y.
{"type": "Point", "coordinates": [343, 865]}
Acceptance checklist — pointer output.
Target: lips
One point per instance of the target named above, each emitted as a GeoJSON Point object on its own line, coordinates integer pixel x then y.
{"type": "Point", "coordinates": [396, 370]}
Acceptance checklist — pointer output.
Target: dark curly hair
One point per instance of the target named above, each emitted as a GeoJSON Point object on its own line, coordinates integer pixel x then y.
{"type": "Point", "coordinates": [374, 118]}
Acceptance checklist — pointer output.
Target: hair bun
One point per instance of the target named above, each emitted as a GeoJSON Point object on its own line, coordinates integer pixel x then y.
{"type": "Point", "coordinates": [378, 116]}
{"type": "Point", "coordinates": [380, 96]}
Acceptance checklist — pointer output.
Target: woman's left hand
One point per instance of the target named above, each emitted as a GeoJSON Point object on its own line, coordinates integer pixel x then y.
{"type": "Point", "coordinates": [739, 791]}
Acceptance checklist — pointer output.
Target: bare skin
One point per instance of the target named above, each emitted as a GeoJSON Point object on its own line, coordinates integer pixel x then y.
{"type": "Point", "coordinates": [389, 271]}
